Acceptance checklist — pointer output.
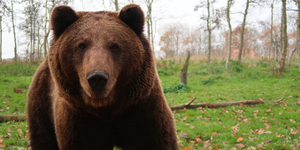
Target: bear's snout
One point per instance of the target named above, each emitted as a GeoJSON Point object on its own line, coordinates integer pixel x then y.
{"type": "Point", "coordinates": [97, 79]}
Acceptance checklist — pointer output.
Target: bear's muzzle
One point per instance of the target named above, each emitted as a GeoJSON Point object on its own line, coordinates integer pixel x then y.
{"type": "Point", "coordinates": [97, 79]}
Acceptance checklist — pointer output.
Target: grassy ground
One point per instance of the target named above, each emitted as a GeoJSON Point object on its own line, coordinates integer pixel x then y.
{"type": "Point", "coordinates": [263, 126]}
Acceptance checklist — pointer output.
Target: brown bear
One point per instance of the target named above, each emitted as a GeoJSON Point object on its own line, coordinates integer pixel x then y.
{"type": "Point", "coordinates": [98, 87]}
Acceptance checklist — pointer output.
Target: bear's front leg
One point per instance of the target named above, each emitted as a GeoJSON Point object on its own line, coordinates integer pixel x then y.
{"type": "Point", "coordinates": [78, 130]}
{"type": "Point", "coordinates": [147, 129]}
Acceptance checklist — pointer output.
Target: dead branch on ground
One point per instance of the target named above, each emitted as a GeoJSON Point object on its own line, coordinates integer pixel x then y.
{"type": "Point", "coordinates": [191, 105]}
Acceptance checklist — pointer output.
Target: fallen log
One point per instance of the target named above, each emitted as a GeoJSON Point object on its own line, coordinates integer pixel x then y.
{"type": "Point", "coordinates": [12, 118]}
{"type": "Point", "coordinates": [190, 105]}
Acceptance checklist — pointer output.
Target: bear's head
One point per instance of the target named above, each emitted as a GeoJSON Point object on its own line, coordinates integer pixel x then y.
{"type": "Point", "coordinates": [102, 56]}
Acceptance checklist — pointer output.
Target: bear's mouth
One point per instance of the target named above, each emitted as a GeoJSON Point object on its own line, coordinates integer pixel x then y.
{"type": "Point", "coordinates": [98, 100]}
{"type": "Point", "coordinates": [101, 94]}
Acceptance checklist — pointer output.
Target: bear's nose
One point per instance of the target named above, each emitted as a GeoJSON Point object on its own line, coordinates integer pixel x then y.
{"type": "Point", "coordinates": [97, 79]}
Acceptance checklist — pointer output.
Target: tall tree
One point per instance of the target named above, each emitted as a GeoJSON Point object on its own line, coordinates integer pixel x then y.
{"type": "Point", "coordinates": [229, 4]}
{"type": "Point", "coordinates": [14, 28]}
{"type": "Point", "coordinates": [170, 40]}
{"type": "Point", "coordinates": [116, 4]}
{"type": "Point", "coordinates": [31, 26]}
{"type": "Point", "coordinates": [4, 11]}
{"type": "Point", "coordinates": [212, 22]}
{"type": "Point", "coordinates": [266, 34]}
{"type": "Point", "coordinates": [242, 32]}
{"type": "Point", "coordinates": [271, 38]}
{"type": "Point", "coordinates": [49, 5]}
{"type": "Point", "coordinates": [298, 4]}
{"type": "Point", "coordinates": [299, 31]}
{"type": "Point", "coordinates": [149, 21]}
{"type": "Point", "coordinates": [283, 39]}
{"type": "Point", "coordinates": [0, 38]}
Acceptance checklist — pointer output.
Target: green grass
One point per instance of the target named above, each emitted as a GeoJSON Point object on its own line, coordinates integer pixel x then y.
{"type": "Point", "coordinates": [263, 126]}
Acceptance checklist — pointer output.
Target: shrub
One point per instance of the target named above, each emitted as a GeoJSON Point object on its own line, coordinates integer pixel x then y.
{"type": "Point", "coordinates": [208, 81]}
{"type": "Point", "coordinates": [235, 66]}
{"type": "Point", "coordinates": [176, 88]}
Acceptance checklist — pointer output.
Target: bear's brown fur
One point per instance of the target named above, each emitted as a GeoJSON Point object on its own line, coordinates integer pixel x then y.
{"type": "Point", "coordinates": [98, 87]}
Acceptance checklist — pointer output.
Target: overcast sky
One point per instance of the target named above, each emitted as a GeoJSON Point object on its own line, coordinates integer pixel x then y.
{"type": "Point", "coordinates": [169, 12]}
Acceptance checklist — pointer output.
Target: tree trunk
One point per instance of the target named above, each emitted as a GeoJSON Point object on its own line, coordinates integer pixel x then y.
{"type": "Point", "coordinates": [38, 41]}
{"type": "Point", "coordinates": [230, 33]}
{"type": "Point", "coordinates": [299, 32]}
{"type": "Point", "coordinates": [0, 39]}
{"type": "Point", "coordinates": [183, 74]}
{"type": "Point", "coordinates": [14, 30]}
{"type": "Point", "coordinates": [149, 22]}
{"type": "Point", "coordinates": [283, 39]}
{"type": "Point", "coordinates": [271, 44]}
{"type": "Point", "coordinates": [292, 53]}
{"type": "Point", "coordinates": [116, 5]}
{"type": "Point", "coordinates": [152, 33]}
{"type": "Point", "coordinates": [12, 118]}
{"type": "Point", "coordinates": [34, 36]}
{"type": "Point", "coordinates": [45, 29]}
{"type": "Point", "coordinates": [209, 32]}
{"type": "Point", "coordinates": [242, 33]}
{"type": "Point", "coordinates": [31, 40]}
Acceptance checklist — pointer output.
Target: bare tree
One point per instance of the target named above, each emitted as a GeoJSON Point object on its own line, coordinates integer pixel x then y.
{"type": "Point", "coordinates": [212, 22]}
{"type": "Point", "coordinates": [49, 5]}
{"type": "Point", "coordinates": [170, 41]}
{"type": "Point", "coordinates": [116, 4]}
{"type": "Point", "coordinates": [0, 38]}
{"type": "Point", "coordinates": [229, 4]}
{"type": "Point", "coordinates": [242, 32]}
{"type": "Point", "coordinates": [283, 39]}
{"type": "Point", "coordinates": [298, 25]}
{"type": "Point", "coordinates": [130, 1]}
{"type": "Point", "coordinates": [14, 28]}
{"type": "Point", "coordinates": [271, 38]}
{"type": "Point", "coordinates": [31, 26]}
{"type": "Point", "coordinates": [149, 20]}
{"type": "Point", "coordinates": [299, 32]}
{"type": "Point", "coordinates": [46, 30]}
{"type": "Point", "coordinates": [4, 11]}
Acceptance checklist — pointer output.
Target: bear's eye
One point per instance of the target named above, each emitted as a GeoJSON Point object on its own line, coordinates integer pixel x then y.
{"type": "Point", "coordinates": [82, 46]}
{"type": "Point", "coordinates": [114, 48]}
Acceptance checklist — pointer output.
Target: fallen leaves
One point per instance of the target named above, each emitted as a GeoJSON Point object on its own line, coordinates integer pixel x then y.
{"type": "Point", "coordinates": [240, 145]}
{"type": "Point", "coordinates": [184, 135]}
{"type": "Point", "coordinates": [293, 131]}
{"type": "Point", "coordinates": [267, 125]}
{"type": "Point", "coordinates": [240, 139]}
{"type": "Point", "coordinates": [235, 130]}
{"type": "Point", "coordinates": [292, 121]}
{"type": "Point", "coordinates": [2, 145]}
{"type": "Point", "coordinates": [207, 143]}
{"type": "Point", "coordinates": [17, 90]}
{"type": "Point", "coordinates": [261, 131]}
{"type": "Point", "coordinates": [20, 131]}
{"type": "Point", "coordinates": [277, 135]}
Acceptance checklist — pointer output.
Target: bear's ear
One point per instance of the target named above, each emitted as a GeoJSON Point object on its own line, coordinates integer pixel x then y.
{"type": "Point", "coordinates": [61, 18]}
{"type": "Point", "coordinates": [133, 16]}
